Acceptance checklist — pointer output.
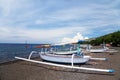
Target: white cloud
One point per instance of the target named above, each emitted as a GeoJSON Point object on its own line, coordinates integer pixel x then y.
{"type": "Point", "coordinates": [9, 6]}
{"type": "Point", "coordinates": [20, 20]}
{"type": "Point", "coordinates": [6, 6]}
{"type": "Point", "coordinates": [20, 34]}
{"type": "Point", "coordinates": [32, 35]}
{"type": "Point", "coordinates": [39, 22]}
{"type": "Point", "coordinates": [76, 38]}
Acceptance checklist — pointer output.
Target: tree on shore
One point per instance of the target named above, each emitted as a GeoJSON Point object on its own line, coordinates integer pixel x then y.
{"type": "Point", "coordinates": [112, 38]}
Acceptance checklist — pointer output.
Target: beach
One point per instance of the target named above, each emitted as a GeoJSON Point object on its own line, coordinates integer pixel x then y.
{"type": "Point", "coordinates": [23, 70]}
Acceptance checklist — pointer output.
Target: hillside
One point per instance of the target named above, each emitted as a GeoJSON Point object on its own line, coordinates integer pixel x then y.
{"type": "Point", "coordinates": [112, 38]}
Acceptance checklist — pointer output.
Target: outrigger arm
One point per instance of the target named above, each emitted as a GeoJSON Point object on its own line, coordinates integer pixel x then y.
{"type": "Point", "coordinates": [65, 66]}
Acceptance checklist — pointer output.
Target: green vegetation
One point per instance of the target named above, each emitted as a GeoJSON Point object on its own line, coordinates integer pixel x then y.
{"type": "Point", "coordinates": [112, 38]}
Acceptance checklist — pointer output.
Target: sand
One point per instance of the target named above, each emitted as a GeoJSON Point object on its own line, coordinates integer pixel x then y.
{"type": "Point", "coordinates": [22, 70]}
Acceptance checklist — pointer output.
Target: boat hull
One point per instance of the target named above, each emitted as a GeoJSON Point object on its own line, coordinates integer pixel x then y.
{"type": "Point", "coordinates": [97, 50]}
{"type": "Point", "coordinates": [64, 58]}
{"type": "Point", "coordinates": [65, 53]}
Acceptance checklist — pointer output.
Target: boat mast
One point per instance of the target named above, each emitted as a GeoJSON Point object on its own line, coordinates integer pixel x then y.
{"type": "Point", "coordinates": [78, 48]}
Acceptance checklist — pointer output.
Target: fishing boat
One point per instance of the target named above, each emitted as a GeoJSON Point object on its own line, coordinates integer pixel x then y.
{"type": "Point", "coordinates": [74, 58]}
{"type": "Point", "coordinates": [77, 56]}
{"type": "Point", "coordinates": [63, 50]}
{"type": "Point", "coordinates": [65, 58]}
{"type": "Point", "coordinates": [99, 50]}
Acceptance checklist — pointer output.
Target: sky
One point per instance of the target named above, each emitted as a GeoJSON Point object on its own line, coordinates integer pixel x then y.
{"type": "Point", "coordinates": [56, 21]}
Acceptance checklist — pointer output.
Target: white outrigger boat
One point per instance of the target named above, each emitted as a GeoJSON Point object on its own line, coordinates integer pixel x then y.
{"type": "Point", "coordinates": [100, 50]}
{"type": "Point", "coordinates": [65, 58]}
{"type": "Point", "coordinates": [97, 50]}
{"type": "Point", "coordinates": [105, 49]}
{"type": "Point", "coordinates": [51, 56]}
{"type": "Point", "coordinates": [65, 52]}
{"type": "Point", "coordinates": [68, 51]}
{"type": "Point", "coordinates": [74, 58]}
{"type": "Point", "coordinates": [72, 61]}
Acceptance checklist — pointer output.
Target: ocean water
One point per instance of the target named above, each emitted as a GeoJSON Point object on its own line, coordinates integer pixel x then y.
{"type": "Point", "coordinates": [9, 51]}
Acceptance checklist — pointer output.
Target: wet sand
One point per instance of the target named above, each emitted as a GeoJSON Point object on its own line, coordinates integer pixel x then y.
{"type": "Point", "coordinates": [22, 70]}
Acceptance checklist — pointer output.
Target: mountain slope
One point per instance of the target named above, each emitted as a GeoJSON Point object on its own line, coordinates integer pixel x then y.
{"type": "Point", "coordinates": [112, 38]}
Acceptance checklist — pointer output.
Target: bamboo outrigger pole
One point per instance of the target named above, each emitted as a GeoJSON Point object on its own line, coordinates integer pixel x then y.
{"type": "Point", "coordinates": [72, 67]}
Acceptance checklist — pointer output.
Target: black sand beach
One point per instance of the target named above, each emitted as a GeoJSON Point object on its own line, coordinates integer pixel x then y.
{"type": "Point", "coordinates": [22, 70]}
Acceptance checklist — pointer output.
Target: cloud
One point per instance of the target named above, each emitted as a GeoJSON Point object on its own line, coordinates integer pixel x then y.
{"type": "Point", "coordinates": [76, 38]}
{"type": "Point", "coordinates": [20, 34]}
{"type": "Point", "coordinates": [50, 21]}
{"type": "Point", "coordinates": [39, 22]}
{"type": "Point", "coordinates": [32, 35]}
{"type": "Point", "coordinates": [6, 6]}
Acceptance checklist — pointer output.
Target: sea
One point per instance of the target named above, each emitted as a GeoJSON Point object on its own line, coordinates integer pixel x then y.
{"type": "Point", "coordinates": [9, 50]}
